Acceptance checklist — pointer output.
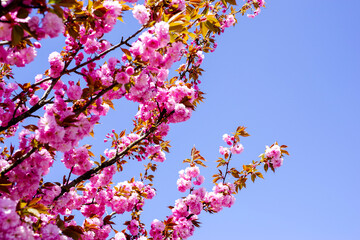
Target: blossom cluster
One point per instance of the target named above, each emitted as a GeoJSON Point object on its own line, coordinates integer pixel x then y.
{"type": "Point", "coordinates": [66, 113]}
{"type": "Point", "coordinates": [186, 176]}
{"type": "Point", "coordinates": [8, 106]}
{"type": "Point", "coordinates": [235, 147]}
{"type": "Point", "coordinates": [11, 226]}
{"type": "Point", "coordinates": [259, 4]}
{"type": "Point", "coordinates": [186, 210]}
{"type": "Point", "coordinates": [274, 153]}
{"type": "Point", "coordinates": [51, 26]}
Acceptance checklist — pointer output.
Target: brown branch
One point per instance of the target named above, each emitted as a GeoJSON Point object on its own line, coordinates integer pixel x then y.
{"type": "Point", "coordinates": [17, 162]}
{"type": "Point", "coordinates": [11, 6]}
{"type": "Point", "coordinates": [105, 164]}
{"type": "Point", "coordinates": [182, 75]}
{"type": "Point", "coordinates": [227, 168]}
{"type": "Point", "coordinates": [33, 109]}
{"type": "Point", "coordinates": [92, 100]}
{"type": "Point", "coordinates": [122, 42]}
{"type": "Point", "coordinates": [4, 43]}
{"type": "Point", "coordinates": [66, 188]}
{"type": "Point", "coordinates": [42, 102]}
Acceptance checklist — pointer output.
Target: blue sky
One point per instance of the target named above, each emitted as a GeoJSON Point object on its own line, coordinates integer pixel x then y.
{"type": "Point", "coordinates": [290, 75]}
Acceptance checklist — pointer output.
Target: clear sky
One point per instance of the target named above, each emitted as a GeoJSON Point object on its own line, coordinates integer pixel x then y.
{"type": "Point", "coordinates": [290, 75]}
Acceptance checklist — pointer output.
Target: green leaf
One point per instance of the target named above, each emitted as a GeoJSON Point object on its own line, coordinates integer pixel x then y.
{"type": "Point", "coordinates": [74, 232]}
{"type": "Point", "coordinates": [100, 12]}
{"type": "Point", "coordinates": [31, 127]}
{"type": "Point", "coordinates": [127, 53]}
{"type": "Point", "coordinates": [58, 11]}
{"type": "Point", "coordinates": [253, 177]}
{"type": "Point", "coordinates": [203, 29]}
{"type": "Point", "coordinates": [22, 13]}
{"type": "Point", "coordinates": [73, 31]}
{"type": "Point", "coordinates": [266, 167]}
{"type": "Point", "coordinates": [259, 174]}
{"type": "Point", "coordinates": [177, 26]}
{"type": "Point", "coordinates": [232, 2]}
{"type": "Point", "coordinates": [16, 35]}
{"type": "Point", "coordinates": [33, 212]}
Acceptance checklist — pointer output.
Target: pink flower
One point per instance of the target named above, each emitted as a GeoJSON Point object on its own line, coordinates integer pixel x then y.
{"type": "Point", "coordinates": [50, 231]}
{"type": "Point", "coordinates": [194, 204]}
{"type": "Point", "coordinates": [215, 200]}
{"type": "Point", "coordinates": [152, 43]}
{"type": "Point", "coordinates": [199, 180]}
{"type": "Point", "coordinates": [162, 32]}
{"type": "Point", "coordinates": [5, 31]}
{"type": "Point", "coordinates": [56, 64]}
{"type": "Point", "coordinates": [261, 3]}
{"type": "Point", "coordinates": [237, 149]}
{"type": "Point", "coordinates": [228, 201]}
{"type": "Point", "coordinates": [34, 100]}
{"type": "Point", "coordinates": [156, 229]}
{"type": "Point", "coordinates": [141, 13]}
{"type": "Point", "coordinates": [130, 70]}
{"type": "Point", "coordinates": [223, 150]}
{"type": "Point", "coordinates": [200, 58]}
{"type": "Point", "coordinates": [53, 25]}
{"type": "Point", "coordinates": [122, 78]}
{"type": "Point", "coordinates": [183, 175]}
{"type": "Point", "coordinates": [201, 192]}
{"type": "Point", "coordinates": [228, 139]}
{"type": "Point", "coordinates": [192, 171]}
{"type": "Point", "coordinates": [253, 15]}
{"type": "Point", "coordinates": [120, 236]}
{"type": "Point", "coordinates": [15, 58]}
{"type": "Point", "coordinates": [91, 45]}
{"type": "Point", "coordinates": [277, 162]}
{"type": "Point", "coordinates": [133, 227]}
{"type": "Point", "coordinates": [3, 54]}
{"type": "Point", "coordinates": [28, 54]}
{"type": "Point", "coordinates": [183, 184]}
{"type": "Point", "coordinates": [273, 152]}
{"type": "Point", "coordinates": [160, 157]}
{"type": "Point", "coordinates": [119, 204]}
{"type": "Point", "coordinates": [179, 3]}
{"type": "Point", "coordinates": [74, 92]}
{"type": "Point", "coordinates": [184, 228]}
{"type": "Point", "coordinates": [37, 45]}
{"type": "Point", "coordinates": [79, 58]}
{"type": "Point", "coordinates": [229, 21]}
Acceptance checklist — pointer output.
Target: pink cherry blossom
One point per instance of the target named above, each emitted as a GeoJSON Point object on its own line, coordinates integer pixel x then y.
{"type": "Point", "coordinates": [52, 25]}
{"type": "Point", "coordinates": [141, 13]}
{"type": "Point", "coordinates": [237, 149]}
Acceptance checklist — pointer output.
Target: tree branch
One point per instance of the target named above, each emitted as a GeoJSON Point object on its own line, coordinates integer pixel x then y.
{"type": "Point", "coordinates": [42, 102]}
{"type": "Point", "coordinates": [11, 6]}
{"type": "Point", "coordinates": [17, 162]}
{"type": "Point", "coordinates": [122, 42]}
{"type": "Point", "coordinates": [105, 164]}
{"type": "Point", "coordinates": [92, 100]}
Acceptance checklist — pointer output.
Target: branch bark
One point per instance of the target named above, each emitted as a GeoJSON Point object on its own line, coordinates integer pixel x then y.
{"type": "Point", "coordinates": [105, 164]}
{"type": "Point", "coordinates": [17, 162]}
{"type": "Point", "coordinates": [43, 102]}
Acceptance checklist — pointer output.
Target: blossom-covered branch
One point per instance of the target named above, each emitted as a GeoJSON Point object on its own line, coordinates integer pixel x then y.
{"type": "Point", "coordinates": [174, 34]}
